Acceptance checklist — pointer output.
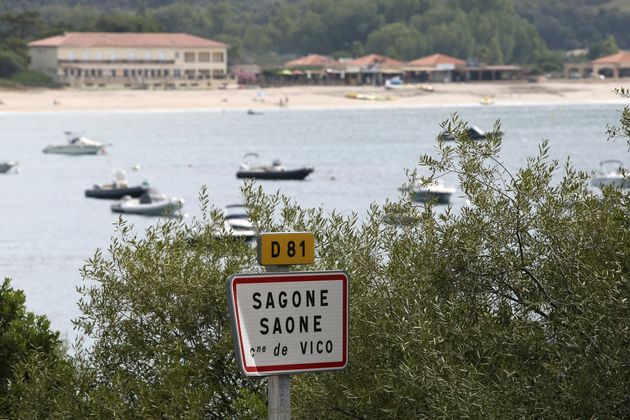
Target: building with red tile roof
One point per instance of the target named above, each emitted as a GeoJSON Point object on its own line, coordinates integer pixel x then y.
{"type": "Point", "coordinates": [150, 60]}
{"type": "Point", "coordinates": [311, 61]}
{"type": "Point", "coordinates": [435, 68]}
{"type": "Point", "coordinates": [614, 65]}
{"type": "Point", "coordinates": [434, 61]}
{"type": "Point", "coordinates": [373, 61]}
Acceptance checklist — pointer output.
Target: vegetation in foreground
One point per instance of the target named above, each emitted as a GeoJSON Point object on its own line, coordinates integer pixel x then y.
{"type": "Point", "coordinates": [515, 307]}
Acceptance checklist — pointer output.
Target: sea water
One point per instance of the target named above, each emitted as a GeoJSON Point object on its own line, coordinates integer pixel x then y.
{"type": "Point", "coordinates": [48, 228]}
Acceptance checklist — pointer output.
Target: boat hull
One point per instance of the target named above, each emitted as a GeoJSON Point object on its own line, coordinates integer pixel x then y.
{"type": "Point", "coordinates": [115, 193]}
{"type": "Point", "coordinates": [166, 208]}
{"type": "Point", "coordinates": [295, 174]}
{"type": "Point", "coordinates": [614, 181]}
{"type": "Point", "coordinates": [6, 167]}
{"type": "Point", "coordinates": [438, 197]}
{"type": "Point", "coordinates": [73, 150]}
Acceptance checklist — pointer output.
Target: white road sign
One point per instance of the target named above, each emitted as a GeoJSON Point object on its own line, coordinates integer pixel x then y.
{"type": "Point", "coordinates": [290, 322]}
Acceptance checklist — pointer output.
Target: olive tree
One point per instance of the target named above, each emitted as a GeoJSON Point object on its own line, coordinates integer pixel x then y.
{"type": "Point", "coordinates": [516, 306]}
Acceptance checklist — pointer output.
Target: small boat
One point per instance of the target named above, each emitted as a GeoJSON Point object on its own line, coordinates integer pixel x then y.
{"type": "Point", "coordinates": [275, 171]}
{"type": "Point", "coordinates": [252, 112]}
{"type": "Point", "coordinates": [77, 145]}
{"type": "Point", "coordinates": [117, 189]}
{"type": "Point", "coordinates": [394, 83]}
{"type": "Point", "coordinates": [486, 100]}
{"type": "Point", "coordinates": [474, 133]}
{"type": "Point", "coordinates": [609, 175]}
{"type": "Point", "coordinates": [7, 166]}
{"type": "Point", "coordinates": [237, 222]}
{"type": "Point", "coordinates": [151, 203]}
{"type": "Point", "coordinates": [436, 191]}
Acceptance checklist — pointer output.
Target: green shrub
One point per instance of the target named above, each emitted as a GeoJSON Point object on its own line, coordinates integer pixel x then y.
{"type": "Point", "coordinates": [22, 335]}
{"type": "Point", "coordinates": [10, 63]}
{"type": "Point", "coordinates": [31, 78]}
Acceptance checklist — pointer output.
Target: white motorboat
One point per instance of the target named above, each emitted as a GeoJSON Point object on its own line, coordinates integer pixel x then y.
{"type": "Point", "coordinates": [237, 222]}
{"type": "Point", "coordinates": [436, 190]}
{"type": "Point", "coordinates": [611, 175]}
{"type": "Point", "coordinates": [394, 83]}
{"type": "Point", "coordinates": [151, 203]}
{"type": "Point", "coordinates": [76, 145]}
{"type": "Point", "coordinates": [7, 166]}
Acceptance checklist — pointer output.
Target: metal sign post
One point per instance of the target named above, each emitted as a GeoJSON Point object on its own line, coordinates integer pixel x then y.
{"type": "Point", "coordinates": [278, 386]}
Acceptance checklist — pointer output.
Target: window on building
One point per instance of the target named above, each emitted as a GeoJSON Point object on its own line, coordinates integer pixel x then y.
{"type": "Point", "coordinates": [190, 74]}
{"type": "Point", "coordinates": [99, 72]}
{"type": "Point", "coordinates": [204, 57]}
{"type": "Point", "coordinates": [71, 56]}
{"type": "Point", "coordinates": [85, 55]}
{"type": "Point", "coordinates": [177, 73]}
{"type": "Point", "coordinates": [165, 72]}
{"type": "Point", "coordinates": [113, 73]}
{"type": "Point", "coordinates": [162, 56]}
{"type": "Point", "coordinates": [99, 56]}
{"type": "Point", "coordinates": [112, 56]}
{"type": "Point", "coordinates": [147, 56]}
{"type": "Point", "coordinates": [133, 72]}
{"type": "Point", "coordinates": [204, 74]}
{"type": "Point", "coordinates": [126, 72]}
{"type": "Point", "coordinates": [218, 73]}
{"type": "Point", "coordinates": [217, 57]}
{"type": "Point", "coordinates": [132, 56]}
{"type": "Point", "coordinates": [65, 72]}
{"type": "Point", "coordinates": [189, 57]}
{"type": "Point", "coordinates": [152, 73]}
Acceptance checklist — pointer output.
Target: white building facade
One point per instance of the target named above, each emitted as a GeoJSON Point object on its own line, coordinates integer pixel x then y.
{"type": "Point", "coordinates": [131, 60]}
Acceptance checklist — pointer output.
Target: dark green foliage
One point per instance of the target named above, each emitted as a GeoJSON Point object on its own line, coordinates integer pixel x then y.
{"type": "Point", "coordinates": [126, 22]}
{"type": "Point", "coordinates": [603, 48]}
{"type": "Point", "coordinates": [22, 335]}
{"type": "Point", "coordinates": [10, 63]}
{"type": "Point", "coordinates": [567, 25]}
{"type": "Point", "coordinates": [31, 78]}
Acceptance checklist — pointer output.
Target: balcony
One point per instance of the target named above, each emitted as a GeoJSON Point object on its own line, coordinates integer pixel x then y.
{"type": "Point", "coordinates": [93, 62]}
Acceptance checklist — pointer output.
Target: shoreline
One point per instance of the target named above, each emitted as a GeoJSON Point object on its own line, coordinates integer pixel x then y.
{"type": "Point", "coordinates": [311, 97]}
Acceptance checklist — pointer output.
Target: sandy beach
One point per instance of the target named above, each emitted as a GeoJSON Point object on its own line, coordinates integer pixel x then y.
{"type": "Point", "coordinates": [311, 97]}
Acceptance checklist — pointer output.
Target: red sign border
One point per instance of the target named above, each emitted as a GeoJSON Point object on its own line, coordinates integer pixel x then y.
{"type": "Point", "coordinates": [282, 278]}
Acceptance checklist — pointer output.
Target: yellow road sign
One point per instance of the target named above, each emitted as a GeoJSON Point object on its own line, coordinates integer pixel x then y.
{"type": "Point", "coordinates": [286, 248]}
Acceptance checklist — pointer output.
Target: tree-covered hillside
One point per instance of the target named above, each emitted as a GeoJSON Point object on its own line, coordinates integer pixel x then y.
{"type": "Point", "coordinates": [494, 31]}
{"type": "Point", "coordinates": [573, 24]}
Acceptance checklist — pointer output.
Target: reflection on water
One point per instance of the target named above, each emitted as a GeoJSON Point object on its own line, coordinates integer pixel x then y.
{"type": "Point", "coordinates": [48, 228]}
